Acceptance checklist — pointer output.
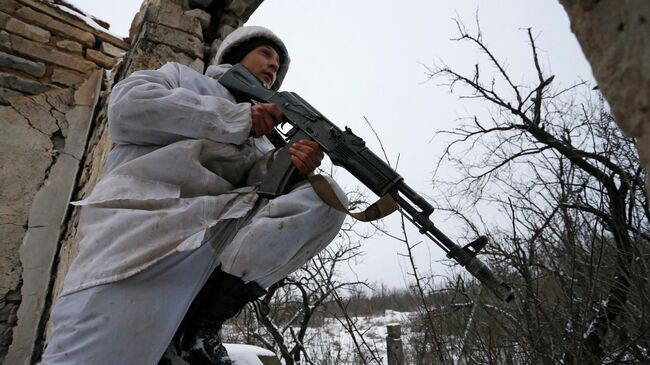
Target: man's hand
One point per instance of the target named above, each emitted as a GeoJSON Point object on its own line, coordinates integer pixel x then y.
{"type": "Point", "coordinates": [263, 117]}
{"type": "Point", "coordinates": [306, 155]}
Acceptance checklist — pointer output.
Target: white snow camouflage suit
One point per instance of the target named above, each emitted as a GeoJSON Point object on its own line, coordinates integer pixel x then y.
{"type": "Point", "coordinates": [176, 200]}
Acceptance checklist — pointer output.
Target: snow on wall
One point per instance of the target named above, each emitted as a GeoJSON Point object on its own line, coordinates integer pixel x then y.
{"type": "Point", "coordinates": [72, 8]}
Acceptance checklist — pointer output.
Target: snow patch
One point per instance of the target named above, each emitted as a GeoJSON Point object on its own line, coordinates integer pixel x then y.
{"type": "Point", "coordinates": [331, 342]}
{"type": "Point", "coordinates": [72, 7]}
{"type": "Point", "coordinates": [246, 354]}
{"type": "Point", "coordinates": [590, 329]}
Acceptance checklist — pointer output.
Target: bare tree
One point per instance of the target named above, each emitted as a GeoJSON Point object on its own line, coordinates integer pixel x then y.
{"type": "Point", "coordinates": [552, 160]}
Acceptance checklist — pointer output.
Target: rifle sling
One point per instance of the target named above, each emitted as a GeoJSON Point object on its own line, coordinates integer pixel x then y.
{"type": "Point", "coordinates": [379, 209]}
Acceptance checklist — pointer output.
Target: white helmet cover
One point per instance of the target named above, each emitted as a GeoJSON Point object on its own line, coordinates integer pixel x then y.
{"type": "Point", "coordinates": [242, 40]}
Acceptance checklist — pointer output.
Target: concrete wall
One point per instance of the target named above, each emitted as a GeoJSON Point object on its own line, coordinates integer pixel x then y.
{"type": "Point", "coordinates": [615, 37]}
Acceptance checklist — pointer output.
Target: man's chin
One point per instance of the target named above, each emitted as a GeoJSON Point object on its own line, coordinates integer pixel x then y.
{"type": "Point", "coordinates": [267, 81]}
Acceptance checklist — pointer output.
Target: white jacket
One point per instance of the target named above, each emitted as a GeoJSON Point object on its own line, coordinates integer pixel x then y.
{"type": "Point", "coordinates": [184, 162]}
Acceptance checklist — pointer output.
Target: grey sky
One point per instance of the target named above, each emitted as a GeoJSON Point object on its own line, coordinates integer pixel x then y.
{"type": "Point", "coordinates": [366, 58]}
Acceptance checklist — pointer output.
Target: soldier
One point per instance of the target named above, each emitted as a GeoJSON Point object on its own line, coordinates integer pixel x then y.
{"type": "Point", "coordinates": [177, 205]}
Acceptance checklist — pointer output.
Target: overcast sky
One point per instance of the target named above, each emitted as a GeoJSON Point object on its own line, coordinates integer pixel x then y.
{"type": "Point", "coordinates": [363, 58]}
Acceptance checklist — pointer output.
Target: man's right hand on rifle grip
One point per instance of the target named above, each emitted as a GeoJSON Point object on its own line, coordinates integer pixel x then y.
{"type": "Point", "coordinates": [264, 117]}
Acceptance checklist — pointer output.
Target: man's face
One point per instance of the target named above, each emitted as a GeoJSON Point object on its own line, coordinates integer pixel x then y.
{"type": "Point", "coordinates": [264, 63]}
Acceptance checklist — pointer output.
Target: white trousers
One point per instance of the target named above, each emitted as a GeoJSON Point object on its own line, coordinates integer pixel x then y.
{"type": "Point", "coordinates": [132, 321]}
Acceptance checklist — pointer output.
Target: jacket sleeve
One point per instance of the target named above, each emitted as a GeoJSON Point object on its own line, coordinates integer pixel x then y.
{"type": "Point", "coordinates": [150, 108]}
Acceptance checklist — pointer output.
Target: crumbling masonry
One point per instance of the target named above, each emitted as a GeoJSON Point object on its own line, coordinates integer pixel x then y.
{"type": "Point", "coordinates": [56, 68]}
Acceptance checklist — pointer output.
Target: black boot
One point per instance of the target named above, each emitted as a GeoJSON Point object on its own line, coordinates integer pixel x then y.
{"type": "Point", "coordinates": [197, 339]}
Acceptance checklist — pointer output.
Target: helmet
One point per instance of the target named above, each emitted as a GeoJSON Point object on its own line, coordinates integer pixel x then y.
{"type": "Point", "coordinates": [243, 40]}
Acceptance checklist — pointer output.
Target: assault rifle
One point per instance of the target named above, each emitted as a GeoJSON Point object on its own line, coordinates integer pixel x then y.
{"type": "Point", "coordinates": [349, 151]}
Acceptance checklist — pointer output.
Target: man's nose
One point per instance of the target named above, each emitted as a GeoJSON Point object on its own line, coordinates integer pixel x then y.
{"type": "Point", "coordinates": [274, 65]}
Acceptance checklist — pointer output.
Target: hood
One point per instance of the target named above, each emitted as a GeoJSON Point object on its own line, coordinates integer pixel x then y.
{"type": "Point", "coordinates": [242, 35]}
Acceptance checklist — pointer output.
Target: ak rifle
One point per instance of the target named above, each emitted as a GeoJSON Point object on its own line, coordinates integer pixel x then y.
{"type": "Point", "coordinates": [349, 151]}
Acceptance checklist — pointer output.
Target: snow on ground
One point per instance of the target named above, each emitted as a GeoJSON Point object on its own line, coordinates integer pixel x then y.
{"type": "Point", "coordinates": [373, 329]}
{"type": "Point", "coordinates": [246, 354]}
{"type": "Point", "coordinates": [331, 343]}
